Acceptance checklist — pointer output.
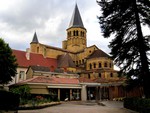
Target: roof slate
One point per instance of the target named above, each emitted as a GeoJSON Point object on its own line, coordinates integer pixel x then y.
{"type": "Point", "coordinates": [98, 53]}
{"type": "Point", "coordinates": [35, 39]}
{"type": "Point", "coordinates": [65, 61]}
{"type": "Point", "coordinates": [76, 20]}
{"type": "Point", "coordinates": [40, 68]}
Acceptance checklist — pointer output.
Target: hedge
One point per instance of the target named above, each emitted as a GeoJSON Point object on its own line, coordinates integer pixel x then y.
{"type": "Point", "coordinates": [137, 104]}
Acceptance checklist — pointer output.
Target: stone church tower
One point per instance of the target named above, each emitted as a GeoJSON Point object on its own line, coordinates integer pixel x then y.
{"type": "Point", "coordinates": [76, 33]}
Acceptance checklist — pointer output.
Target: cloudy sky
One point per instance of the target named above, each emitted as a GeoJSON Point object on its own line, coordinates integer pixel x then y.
{"type": "Point", "coordinates": [19, 19]}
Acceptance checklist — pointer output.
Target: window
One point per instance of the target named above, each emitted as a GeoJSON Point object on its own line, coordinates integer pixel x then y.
{"type": "Point", "coordinates": [110, 65]}
{"type": "Point", "coordinates": [83, 34]}
{"type": "Point", "coordinates": [80, 33]}
{"type": "Point", "coordinates": [90, 66]}
{"type": "Point", "coordinates": [105, 64]}
{"type": "Point", "coordinates": [82, 60]}
{"type": "Point", "coordinates": [111, 74]}
{"type": "Point", "coordinates": [100, 65]}
{"type": "Point", "coordinates": [21, 75]}
{"type": "Point", "coordinates": [76, 33]}
{"type": "Point", "coordinates": [100, 75]}
{"type": "Point", "coordinates": [94, 65]}
{"type": "Point", "coordinates": [37, 49]}
{"type": "Point", "coordinates": [89, 76]}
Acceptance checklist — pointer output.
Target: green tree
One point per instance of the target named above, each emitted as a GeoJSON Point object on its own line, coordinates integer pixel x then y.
{"type": "Point", "coordinates": [124, 20]}
{"type": "Point", "coordinates": [23, 91]}
{"type": "Point", "coordinates": [8, 63]}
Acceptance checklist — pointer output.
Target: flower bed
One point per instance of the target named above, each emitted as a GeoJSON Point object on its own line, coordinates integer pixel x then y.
{"type": "Point", "coordinates": [37, 106]}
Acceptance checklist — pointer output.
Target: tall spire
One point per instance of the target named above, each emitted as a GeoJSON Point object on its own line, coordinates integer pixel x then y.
{"type": "Point", "coordinates": [76, 20]}
{"type": "Point", "coordinates": [35, 39]}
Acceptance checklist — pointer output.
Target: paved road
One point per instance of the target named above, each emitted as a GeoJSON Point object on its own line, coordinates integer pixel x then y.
{"type": "Point", "coordinates": [83, 107]}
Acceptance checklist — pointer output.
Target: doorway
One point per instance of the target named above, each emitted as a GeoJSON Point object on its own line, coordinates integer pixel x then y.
{"type": "Point", "coordinates": [64, 94]}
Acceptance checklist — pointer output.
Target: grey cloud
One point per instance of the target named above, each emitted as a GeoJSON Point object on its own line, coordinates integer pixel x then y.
{"type": "Point", "coordinates": [28, 16]}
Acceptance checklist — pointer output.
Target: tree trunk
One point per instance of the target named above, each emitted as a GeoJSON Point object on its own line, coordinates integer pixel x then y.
{"type": "Point", "coordinates": [145, 75]}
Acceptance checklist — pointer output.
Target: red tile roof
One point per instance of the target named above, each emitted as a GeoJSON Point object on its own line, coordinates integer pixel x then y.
{"type": "Point", "coordinates": [35, 59]}
{"type": "Point", "coordinates": [51, 80]}
{"type": "Point", "coordinates": [85, 80]}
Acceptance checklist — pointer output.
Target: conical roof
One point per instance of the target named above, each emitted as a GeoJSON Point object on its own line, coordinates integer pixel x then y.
{"type": "Point", "coordinates": [98, 53]}
{"type": "Point", "coordinates": [65, 60]}
{"type": "Point", "coordinates": [76, 20]}
{"type": "Point", "coordinates": [35, 39]}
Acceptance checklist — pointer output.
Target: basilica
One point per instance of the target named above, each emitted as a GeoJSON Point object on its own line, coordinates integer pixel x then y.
{"type": "Point", "coordinates": [75, 71]}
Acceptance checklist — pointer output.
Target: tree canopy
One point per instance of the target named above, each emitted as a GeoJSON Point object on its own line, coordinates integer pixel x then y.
{"type": "Point", "coordinates": [8, 63]}
{"type": "Point", "coordinates": [124, 19]}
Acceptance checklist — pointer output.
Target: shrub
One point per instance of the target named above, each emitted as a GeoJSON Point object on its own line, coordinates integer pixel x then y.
{"type": "Point", "coordinates": [137, 104]}
{"type": "Point", "coordinates": [8, 100]}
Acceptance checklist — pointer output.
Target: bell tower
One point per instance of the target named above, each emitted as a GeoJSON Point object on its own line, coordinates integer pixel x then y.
{"type": "Point", "coordinates": [76, 33]}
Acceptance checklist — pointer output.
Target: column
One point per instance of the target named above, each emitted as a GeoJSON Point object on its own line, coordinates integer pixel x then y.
{"type": "Point", "coordinates": [58, 94]}
{"type": "Point", "coordinates": [83, 93]}
{"type": "Point", "coordinates": [97, 94]}
{"type": "Point", "coordinates": [70, 94]}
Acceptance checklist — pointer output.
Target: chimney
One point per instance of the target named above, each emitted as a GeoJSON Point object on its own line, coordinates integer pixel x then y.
{"type": "Point", "coordinates": [28, 53]}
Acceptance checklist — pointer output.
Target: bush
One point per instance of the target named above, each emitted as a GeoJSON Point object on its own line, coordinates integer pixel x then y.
{"type": "Point", "coordinates": [137, 104]}
{"type": "Point", "coordinates": [9, 100]}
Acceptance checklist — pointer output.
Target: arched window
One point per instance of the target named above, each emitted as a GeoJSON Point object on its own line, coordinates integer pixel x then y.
{"type": "Point", "coordinates": [90, 66]}
{"type": "Point", "coordinates": [74, 33]}
{"type": "Point", "coordinates": [89, 76]}
{"type": "Point", "coordinates": [99, 74]}
{"type": "Point", "coordinates": [100, 65]}
{"type": "Point", "coordinates": [94, 65]}
{"type": "Point", "coordinates": [110, 65]}
{"type": "Point", "coordinates": [80, 33]}
{"type": "Point", "coordinates": [105, 64]}
{"type": "Point", "coordinates": [82, 60]}
{"type": "Point", "coordinates": [111, 74]}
